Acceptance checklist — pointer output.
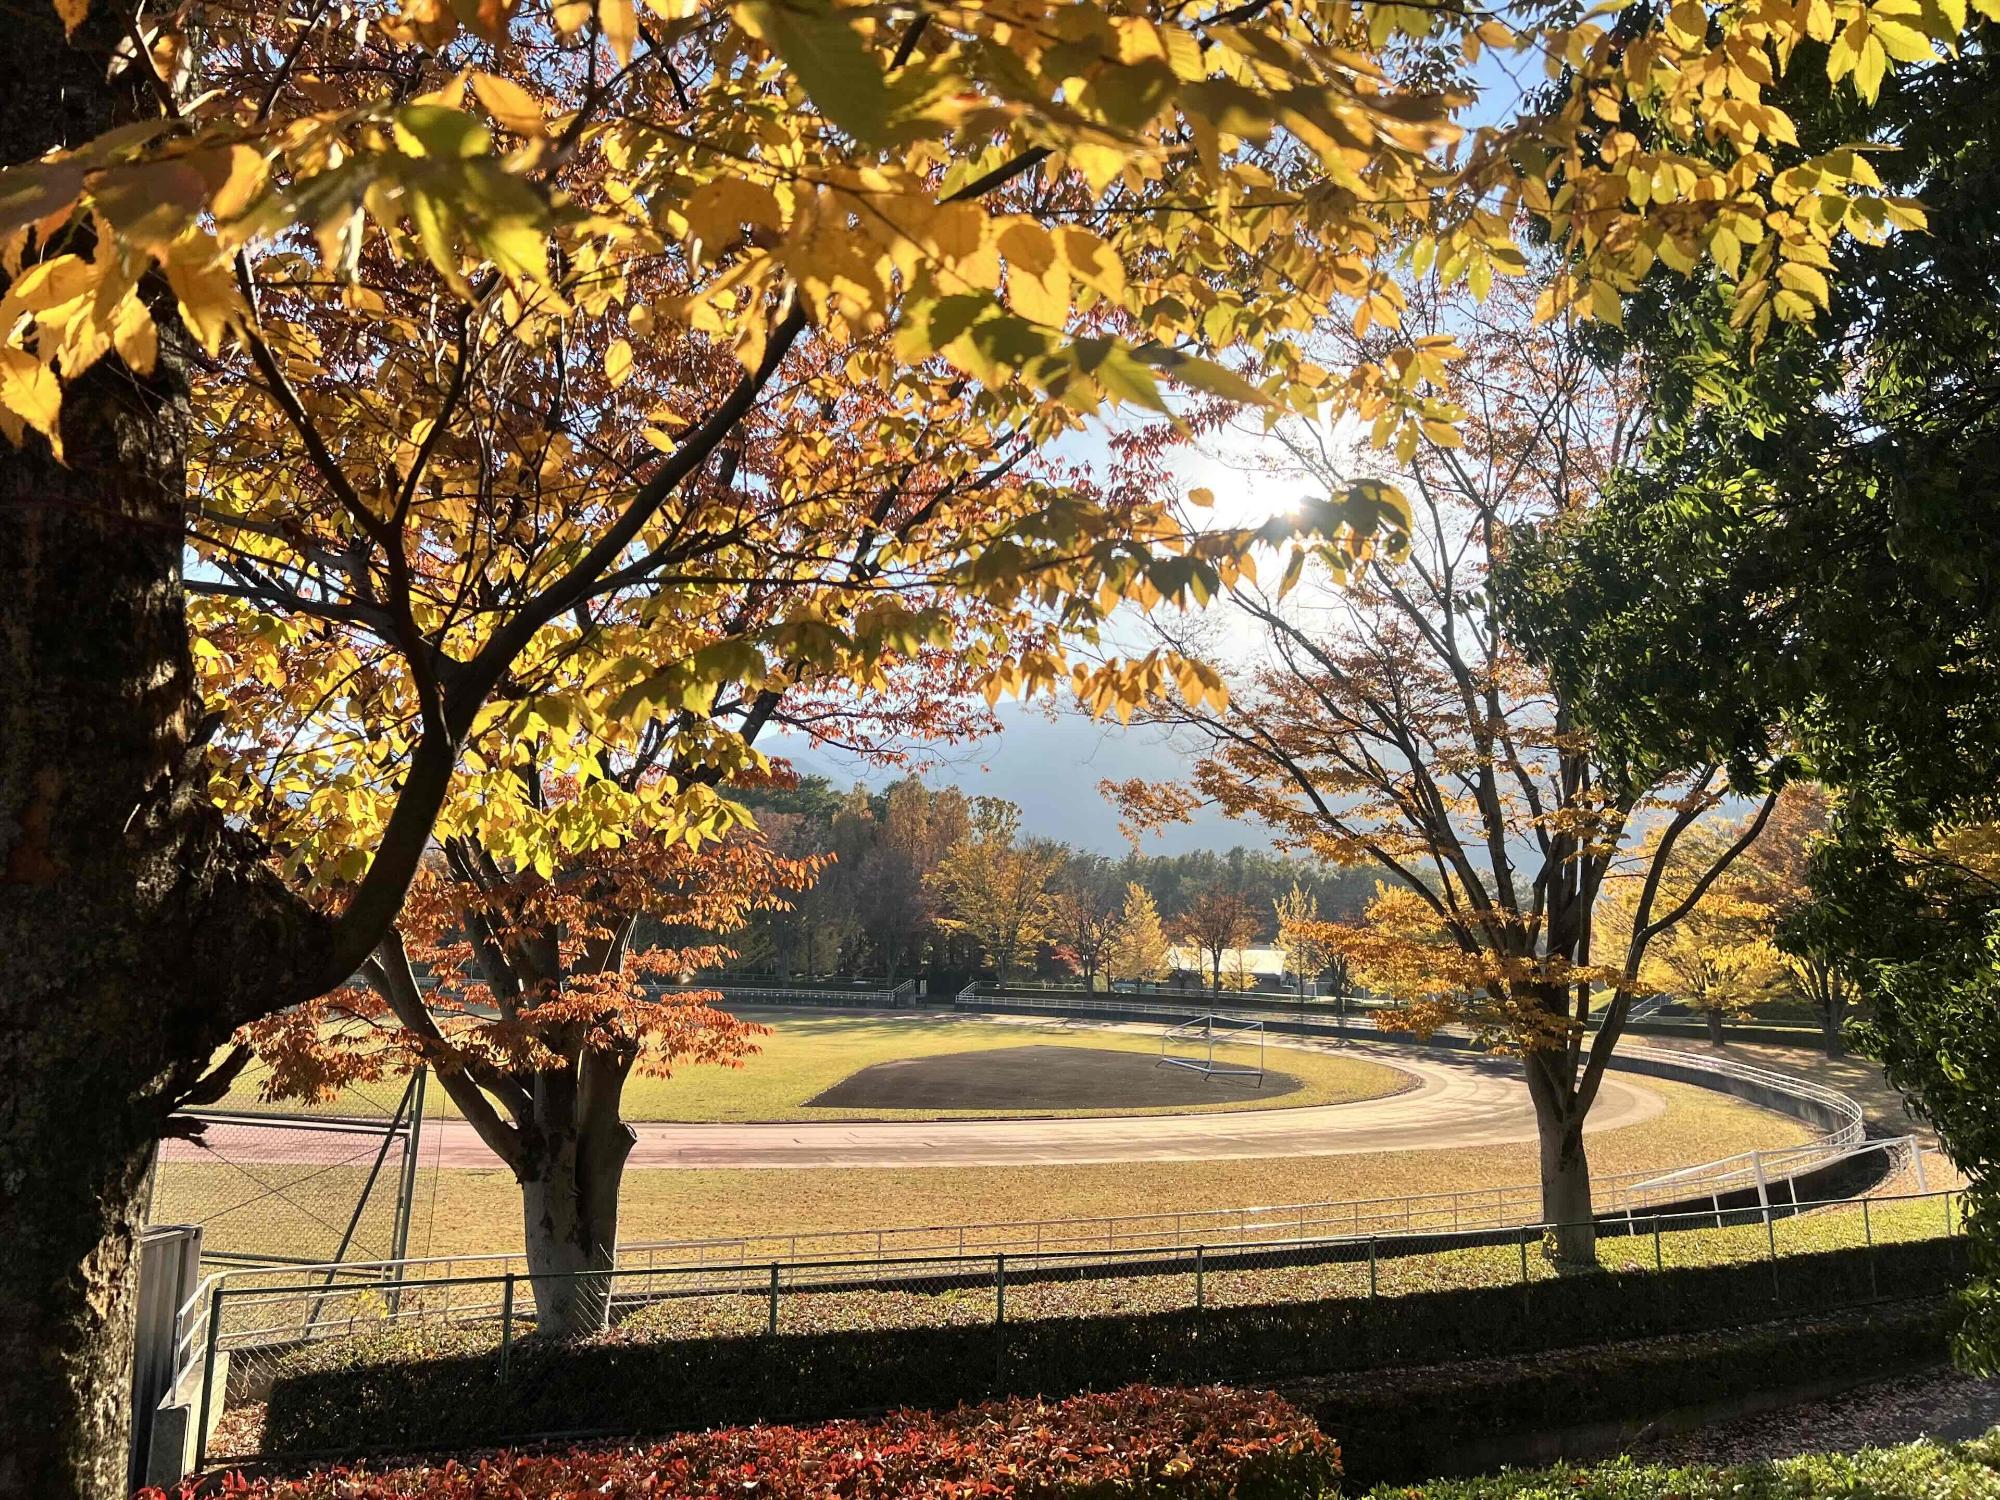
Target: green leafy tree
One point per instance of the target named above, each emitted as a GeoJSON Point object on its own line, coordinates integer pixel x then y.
{"type": "Point", "coordinates": [1807, 557]}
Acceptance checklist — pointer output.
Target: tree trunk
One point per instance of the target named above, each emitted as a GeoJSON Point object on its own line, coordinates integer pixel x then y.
{"type": "Point", "coordinates": [1830, 1018]}
{"type": "Point", "coordinates": [1571, 1239]}
{"type": "Point", "coordinates": [1713, 1014]}
{"type": "Point", "coordinates": [137, 930]}
{"type": "Point", "coordinates": [569, 1200]}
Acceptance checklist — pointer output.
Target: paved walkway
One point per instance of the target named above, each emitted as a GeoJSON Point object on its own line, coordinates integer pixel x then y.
{"type": "Point", "coordinates": [1457, 1101]}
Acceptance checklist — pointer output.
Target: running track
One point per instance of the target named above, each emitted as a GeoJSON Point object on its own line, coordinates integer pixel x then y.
{"type": "Point", "coordinates": [1458, 1101]}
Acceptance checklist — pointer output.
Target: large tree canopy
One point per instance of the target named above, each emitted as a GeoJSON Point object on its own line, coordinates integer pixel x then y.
{"type": "Point", "coordinates": [1807, 541]}
{"type": "Point", "coordinates": [1397, 721]}
{"type": "Point", "coordinates": [1808, 551]}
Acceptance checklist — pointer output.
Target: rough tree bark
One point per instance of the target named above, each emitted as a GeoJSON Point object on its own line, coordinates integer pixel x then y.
{"type": "Point", "coordinates": [562, 1134]}
{"type": "Point", "coordinates": [1571, 1239]}
{"type": "Point", "coordinates": [137, 930]}
{"type": "Point", "coordinates": [571, 1168]}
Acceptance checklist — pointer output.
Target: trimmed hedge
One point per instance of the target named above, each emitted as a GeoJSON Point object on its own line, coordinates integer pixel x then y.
{"type": "Point", "coordinates": [1481, 1414]}
{"type": "Point", "coordinates": [1207, 1444]}
{"type": "Point", "coordinates": [418, 1389]}
{"type": "Point", "coordinates": [1914, 1471]}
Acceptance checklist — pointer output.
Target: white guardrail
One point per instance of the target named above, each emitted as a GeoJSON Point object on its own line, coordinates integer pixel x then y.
{"type": "Point", "coordinates": [877, 997]}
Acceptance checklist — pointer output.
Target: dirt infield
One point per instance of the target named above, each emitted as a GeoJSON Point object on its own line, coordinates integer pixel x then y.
{"type": "Point", "coordinates": [1040, 1078]}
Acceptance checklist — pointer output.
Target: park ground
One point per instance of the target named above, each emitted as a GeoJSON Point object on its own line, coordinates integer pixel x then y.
{"type": "Point", "coordinates": [804, 1055]}
{"type": "Point", "coordinates": [477, 1210]}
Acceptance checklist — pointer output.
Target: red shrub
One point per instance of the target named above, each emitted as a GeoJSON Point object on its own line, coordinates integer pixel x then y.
{"type": "Point", "coordinates": [1206, 1444]}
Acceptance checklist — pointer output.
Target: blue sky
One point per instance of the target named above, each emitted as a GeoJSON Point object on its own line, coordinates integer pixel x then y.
{"type": "Point", "coordinates": [1049, 760]}
{"type": "Point", "coordinates": [1049, 756]}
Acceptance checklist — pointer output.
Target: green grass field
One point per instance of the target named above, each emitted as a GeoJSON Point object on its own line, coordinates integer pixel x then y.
{"type": "Point", "coordinates": [806, 1054]}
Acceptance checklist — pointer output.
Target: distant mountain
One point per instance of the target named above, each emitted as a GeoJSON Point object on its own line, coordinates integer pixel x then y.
{"type": "Point", "coordinates": [1049, 767]}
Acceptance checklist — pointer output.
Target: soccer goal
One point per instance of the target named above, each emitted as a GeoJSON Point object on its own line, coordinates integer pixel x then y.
{"type": "Point", "coordinates": [1192, 1045]}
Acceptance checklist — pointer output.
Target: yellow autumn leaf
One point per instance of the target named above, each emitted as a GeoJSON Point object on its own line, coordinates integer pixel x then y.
{"type": "Point", "coordinates": [1092, 261]}
{"type": "Point", "coordinates": [513, 108]}
{"type": "Point", "coordinates": [134, 335]}
{"type": "Point", "coordinates": [1687, 22]}
{"type": "Point", "coordinates": [30, 393]}
{"type": "Point", "coordinates": [1804, 279]}
{"type": "Point", "coordinates": [621, 27]}
{"type": "Point", "coordinates": [208, 298]}
{"type": "Point", "coordinates": [618, 362]}
{"type": "Point", "coordinates": [1870, 64]}
{"type": "Point", "coordinates": [717, 210]}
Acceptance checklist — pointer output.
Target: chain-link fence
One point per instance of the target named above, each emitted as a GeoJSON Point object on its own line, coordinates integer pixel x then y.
{"type": "Point", "coordinates": [269, 1187]}
{"type": "Point", "coordinates": [327, 1361]}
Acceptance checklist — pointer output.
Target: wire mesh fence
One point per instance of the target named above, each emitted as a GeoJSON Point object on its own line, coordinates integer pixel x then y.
{"type": "Point", "coordinates": [1899, 1164]}
{"type": "Point", "coordinates": [1003, 1321]}
{"type": "Point", "coordinates": [273, 1187]}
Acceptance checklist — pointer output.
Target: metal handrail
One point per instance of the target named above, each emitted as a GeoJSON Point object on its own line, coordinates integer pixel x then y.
{"type": "Point", "coordinates": [1104, 1239]}
{"type": "Point", "coordinates": [1111, 1235]}
{"type": "Point", "coordinates": [848, 1274]}
{"type": "Point", "coordinates": [867, 1271]}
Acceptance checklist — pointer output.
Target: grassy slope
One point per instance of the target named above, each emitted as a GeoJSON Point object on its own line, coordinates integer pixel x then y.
{"type": "Point", "coordinates": [806, 1054]}
{"type": "Point", "coordinates": [1835, 1228]}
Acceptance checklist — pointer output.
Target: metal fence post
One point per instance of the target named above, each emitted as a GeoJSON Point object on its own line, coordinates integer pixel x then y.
{"type": "Point", "coordinates": [1660, 1301]}
{"type": "Point", "coordinates": [1527, 1287]}
{"type": "Point", "coordinates": [1771, 1239]}
{"type": "Point", "coordinates": [506, 1322]}
{"type": "Point", "coordinates": [1868, 1239]}
{"type": "Point", "coordinates": [774, 1297]}
{"type": "Point", "coordinates": [1000, 1322]}
{"type": "Point", "coordinates": [1199, 1292]}
{"type": "Point", "coordinates": [207, 1378]}
{"type": "Point", "coordinates": [1371, 1268]}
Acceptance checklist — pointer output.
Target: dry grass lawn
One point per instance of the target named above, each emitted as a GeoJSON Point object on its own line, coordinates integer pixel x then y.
{"type": "Point", "coordinates": [467, 1212]}
{"type": "Point", "coordinates": [807, 1053]}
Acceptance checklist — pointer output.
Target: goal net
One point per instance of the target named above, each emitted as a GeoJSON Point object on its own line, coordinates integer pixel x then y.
{"type": "Point", "coordinates": [1216, 1046]}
